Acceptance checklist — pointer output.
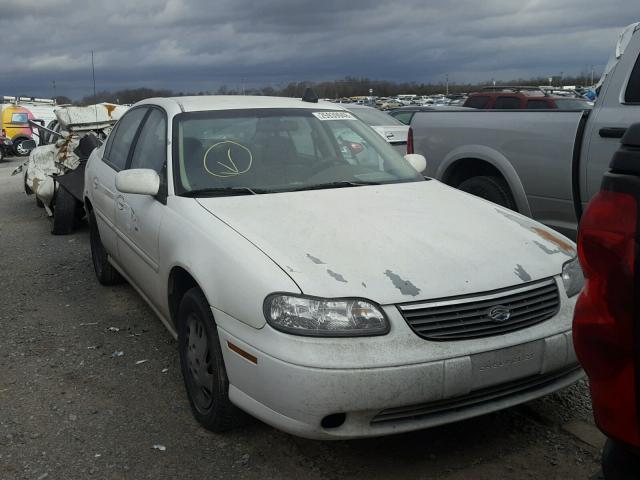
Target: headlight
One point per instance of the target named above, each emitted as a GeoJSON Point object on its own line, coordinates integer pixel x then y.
{"type": "Point", "coordinates": [572, 277]}
{"type": "Point", "coordinates": [319, 317]}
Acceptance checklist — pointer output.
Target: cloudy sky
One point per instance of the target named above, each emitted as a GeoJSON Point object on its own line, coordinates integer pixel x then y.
{"type": "Point", "coordinates": [194, 45]}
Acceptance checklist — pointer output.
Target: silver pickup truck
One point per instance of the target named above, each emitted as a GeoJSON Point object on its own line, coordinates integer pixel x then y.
{"type": "Point", "coordinates": [546, 164]}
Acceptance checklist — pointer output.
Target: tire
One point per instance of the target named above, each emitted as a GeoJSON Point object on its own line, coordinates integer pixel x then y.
{"type": "Point", "coordinates": [494, 189]}
{"type": "Point", "coordinates": [1, 154]}
{"type": "Point", "coordinates": [27, 189]}
{"type": "Point", "coordinates": [105, 272]}
{"type": "Point", "coordinates": [202, 365]}
{"type": "Point", "coordinates": [618, 463]}
{"type": "Point", "coordinates": [19, 149]}
{"type": "Point", "coordinates": [64, 212]}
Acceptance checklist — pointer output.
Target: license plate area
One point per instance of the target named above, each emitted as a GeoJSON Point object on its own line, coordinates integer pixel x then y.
{"type": "Point", "coordinates": [506, 364]}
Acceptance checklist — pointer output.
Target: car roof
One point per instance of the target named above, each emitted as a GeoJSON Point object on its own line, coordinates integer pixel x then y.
{"type": "Point", "coordinates": [243, 102]}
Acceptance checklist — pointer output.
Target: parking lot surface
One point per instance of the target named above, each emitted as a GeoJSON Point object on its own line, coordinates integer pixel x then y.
{"type": "Point", "coordinates": [90, 387]}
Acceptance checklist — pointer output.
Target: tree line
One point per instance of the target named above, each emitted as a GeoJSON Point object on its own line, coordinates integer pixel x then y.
{"type": "Point", "coordinates": [346, 87]}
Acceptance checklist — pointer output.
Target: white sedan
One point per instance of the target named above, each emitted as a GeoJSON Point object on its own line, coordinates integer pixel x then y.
{"type": "Point", "coordinates": [328, 296]}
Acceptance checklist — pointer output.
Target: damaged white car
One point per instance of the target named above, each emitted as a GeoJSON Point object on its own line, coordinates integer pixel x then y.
{"type": "Point", "coordinates": [54, 172]}
{"type": "Point", "coordinates": [326, 296]}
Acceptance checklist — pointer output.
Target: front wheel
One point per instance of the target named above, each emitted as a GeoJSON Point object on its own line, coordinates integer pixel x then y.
{"type": "Point", "coordinates": [494, 189]}
{"type": "Point", "coordinates": [203, 370]}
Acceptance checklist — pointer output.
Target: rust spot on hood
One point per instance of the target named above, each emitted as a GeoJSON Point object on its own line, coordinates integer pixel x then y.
{"type": "Point", "coordinates": [550, 237]}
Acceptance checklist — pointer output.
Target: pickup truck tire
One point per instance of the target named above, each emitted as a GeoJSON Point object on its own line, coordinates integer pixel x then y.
{"type": "Point", "coordinates": [494, 189]}
{"type": "Point", "coordinates": [64, 212]}
{"type": "Point", "coordinates": [202, 364]}
{"type": "Point", "coordinates": [105, 272]}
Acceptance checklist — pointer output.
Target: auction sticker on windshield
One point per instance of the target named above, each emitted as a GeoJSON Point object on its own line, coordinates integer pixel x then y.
{"type": "Point", "coordinates": [333, 116]}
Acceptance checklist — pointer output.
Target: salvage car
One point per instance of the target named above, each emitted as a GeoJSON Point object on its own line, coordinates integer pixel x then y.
{"type": "Point", "coordinates": [54, 172]}
{"type": "Point", "coordinates": [327, 298]}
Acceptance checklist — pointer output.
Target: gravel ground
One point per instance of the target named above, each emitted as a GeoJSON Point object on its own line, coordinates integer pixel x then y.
{"type": "Point", "coordinates": [69, 409]}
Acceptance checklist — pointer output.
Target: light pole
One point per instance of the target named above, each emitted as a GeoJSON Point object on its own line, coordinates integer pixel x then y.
{"type": "Point", "coordinates": [447, 83]}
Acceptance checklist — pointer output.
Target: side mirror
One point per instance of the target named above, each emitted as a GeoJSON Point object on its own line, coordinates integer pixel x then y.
{"type": "Point", "coordinates": [416, 161]}
{"type": "Point", "coordinates": [139, 181]}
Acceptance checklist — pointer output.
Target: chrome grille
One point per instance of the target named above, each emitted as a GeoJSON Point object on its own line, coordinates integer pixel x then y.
{"type": "Point", "coordinates": [476, 398]}
{"type": "Point", "coordinates": [468, 317]}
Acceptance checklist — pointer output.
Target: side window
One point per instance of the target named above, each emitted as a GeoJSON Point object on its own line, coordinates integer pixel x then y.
{"type": "Point", "coordinates": [122, 138]}
{"type": "Point", "coordinates": [537, 105]}
{"type": "Point", "coordinates": [479, 101]}
{"type": "Point", "coordinates": [507, 103]}
{"type": "Point", "coordinates": [632, 95]}
{"type": "Point", "coordinates": [404, 117]}
{"type": "Point", "coordinates": [151, 148]}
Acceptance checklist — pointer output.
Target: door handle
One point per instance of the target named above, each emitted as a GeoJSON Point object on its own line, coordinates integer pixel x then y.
{"type": "Point", "coordinates": [612, 132]}
{"type": "Point", "coordinates": [120, 203]}
{"type": "Point", "coordinates": [95, 182]}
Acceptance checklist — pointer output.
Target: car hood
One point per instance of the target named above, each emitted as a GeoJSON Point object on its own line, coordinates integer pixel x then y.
{"type": "Point", "coordinates": [394, 243]}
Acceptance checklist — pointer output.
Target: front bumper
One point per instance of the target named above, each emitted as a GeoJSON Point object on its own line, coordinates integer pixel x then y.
{"type": "Point", "coordinates": [300, 381]}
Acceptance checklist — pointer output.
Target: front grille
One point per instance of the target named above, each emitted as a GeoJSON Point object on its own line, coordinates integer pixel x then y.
{"type": "Point", "coordinates": [467, 317]}
{"type": "Point", "coordinates": [473, 399]}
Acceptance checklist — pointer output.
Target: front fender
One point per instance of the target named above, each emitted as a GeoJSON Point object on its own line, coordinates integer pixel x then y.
{"type": "Point", "coordinates": [234, 274]}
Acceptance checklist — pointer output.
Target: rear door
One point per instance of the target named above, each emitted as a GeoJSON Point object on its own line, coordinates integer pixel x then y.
{"type": "Point", "coordinates": [102, 177]}
{"type": "Point", "coordinates": [617, 107]}
{"type": "Point", "coordinates": [138, 217]}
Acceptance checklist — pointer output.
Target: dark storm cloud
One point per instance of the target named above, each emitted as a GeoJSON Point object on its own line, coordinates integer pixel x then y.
{"type": "Point", "coordinates": [199, 44]}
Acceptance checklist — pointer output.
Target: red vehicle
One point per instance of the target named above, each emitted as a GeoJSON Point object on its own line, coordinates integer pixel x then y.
{"type": "Point", "coordinates": [522, 98]}
{"type": "Point", "coordinates": [606, 324]}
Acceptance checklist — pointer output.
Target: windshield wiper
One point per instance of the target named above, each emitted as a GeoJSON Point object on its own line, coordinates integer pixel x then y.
{"type": "Point", "coordinates": [341, 184]}
{"type": "Point", "coordinates": [223, 192]}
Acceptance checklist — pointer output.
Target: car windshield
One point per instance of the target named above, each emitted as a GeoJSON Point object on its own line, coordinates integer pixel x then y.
{"type": "Point", "coordinates": [276, 150]}
{"type": "Point", "coordinates": [371, 116]}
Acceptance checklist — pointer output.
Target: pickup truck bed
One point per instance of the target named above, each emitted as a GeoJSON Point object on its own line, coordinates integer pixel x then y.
{"type": "Point", "coordinates": [546, 164]}
{"type": "Point", "coordinates": [534, 151]}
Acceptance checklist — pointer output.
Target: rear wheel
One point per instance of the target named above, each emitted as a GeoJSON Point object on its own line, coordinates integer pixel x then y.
{"type": "Point", "coordinates": [494, 189]}
{"type": "Point", "coordinates": [203, 370]}
{"type": "Point", "coordinates": [64, 212]}
{"type": "Point", "coordinates": [19, 148]}
{"type": "Point", "coordinates": [105, 272]}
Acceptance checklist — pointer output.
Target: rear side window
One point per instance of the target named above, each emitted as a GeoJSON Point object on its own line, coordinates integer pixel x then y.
{"type": "Point", "coordinates": [151, 147]}
{"type": "Point", "coordinates": [479, 101]}
{"type": "Point", "coordinates": [404, 117]}
{"type": "Point", "coordinates": [537, 105]}
{"type": "Point", "coordinates": [19, 118]}
{"type": "Point", "coordinates": [122, 138]}
{"type": "Point", "coordinates": [632, 95]}
{"type": "Point", "coordinates": [507, 103]}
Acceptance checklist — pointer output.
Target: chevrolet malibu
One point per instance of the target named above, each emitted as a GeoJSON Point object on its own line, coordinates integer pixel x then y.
{"type": "Point", "coordinates": [315, 279]}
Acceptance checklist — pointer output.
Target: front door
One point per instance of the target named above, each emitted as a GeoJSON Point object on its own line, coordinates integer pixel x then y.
{"type": "Point", "coordinates": [103, 180]}
{"type": "Point", "coordinates": [138, 217]}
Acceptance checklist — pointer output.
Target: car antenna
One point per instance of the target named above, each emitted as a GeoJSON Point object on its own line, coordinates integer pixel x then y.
{"type": "Point", "coordinates": [309, 96]}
